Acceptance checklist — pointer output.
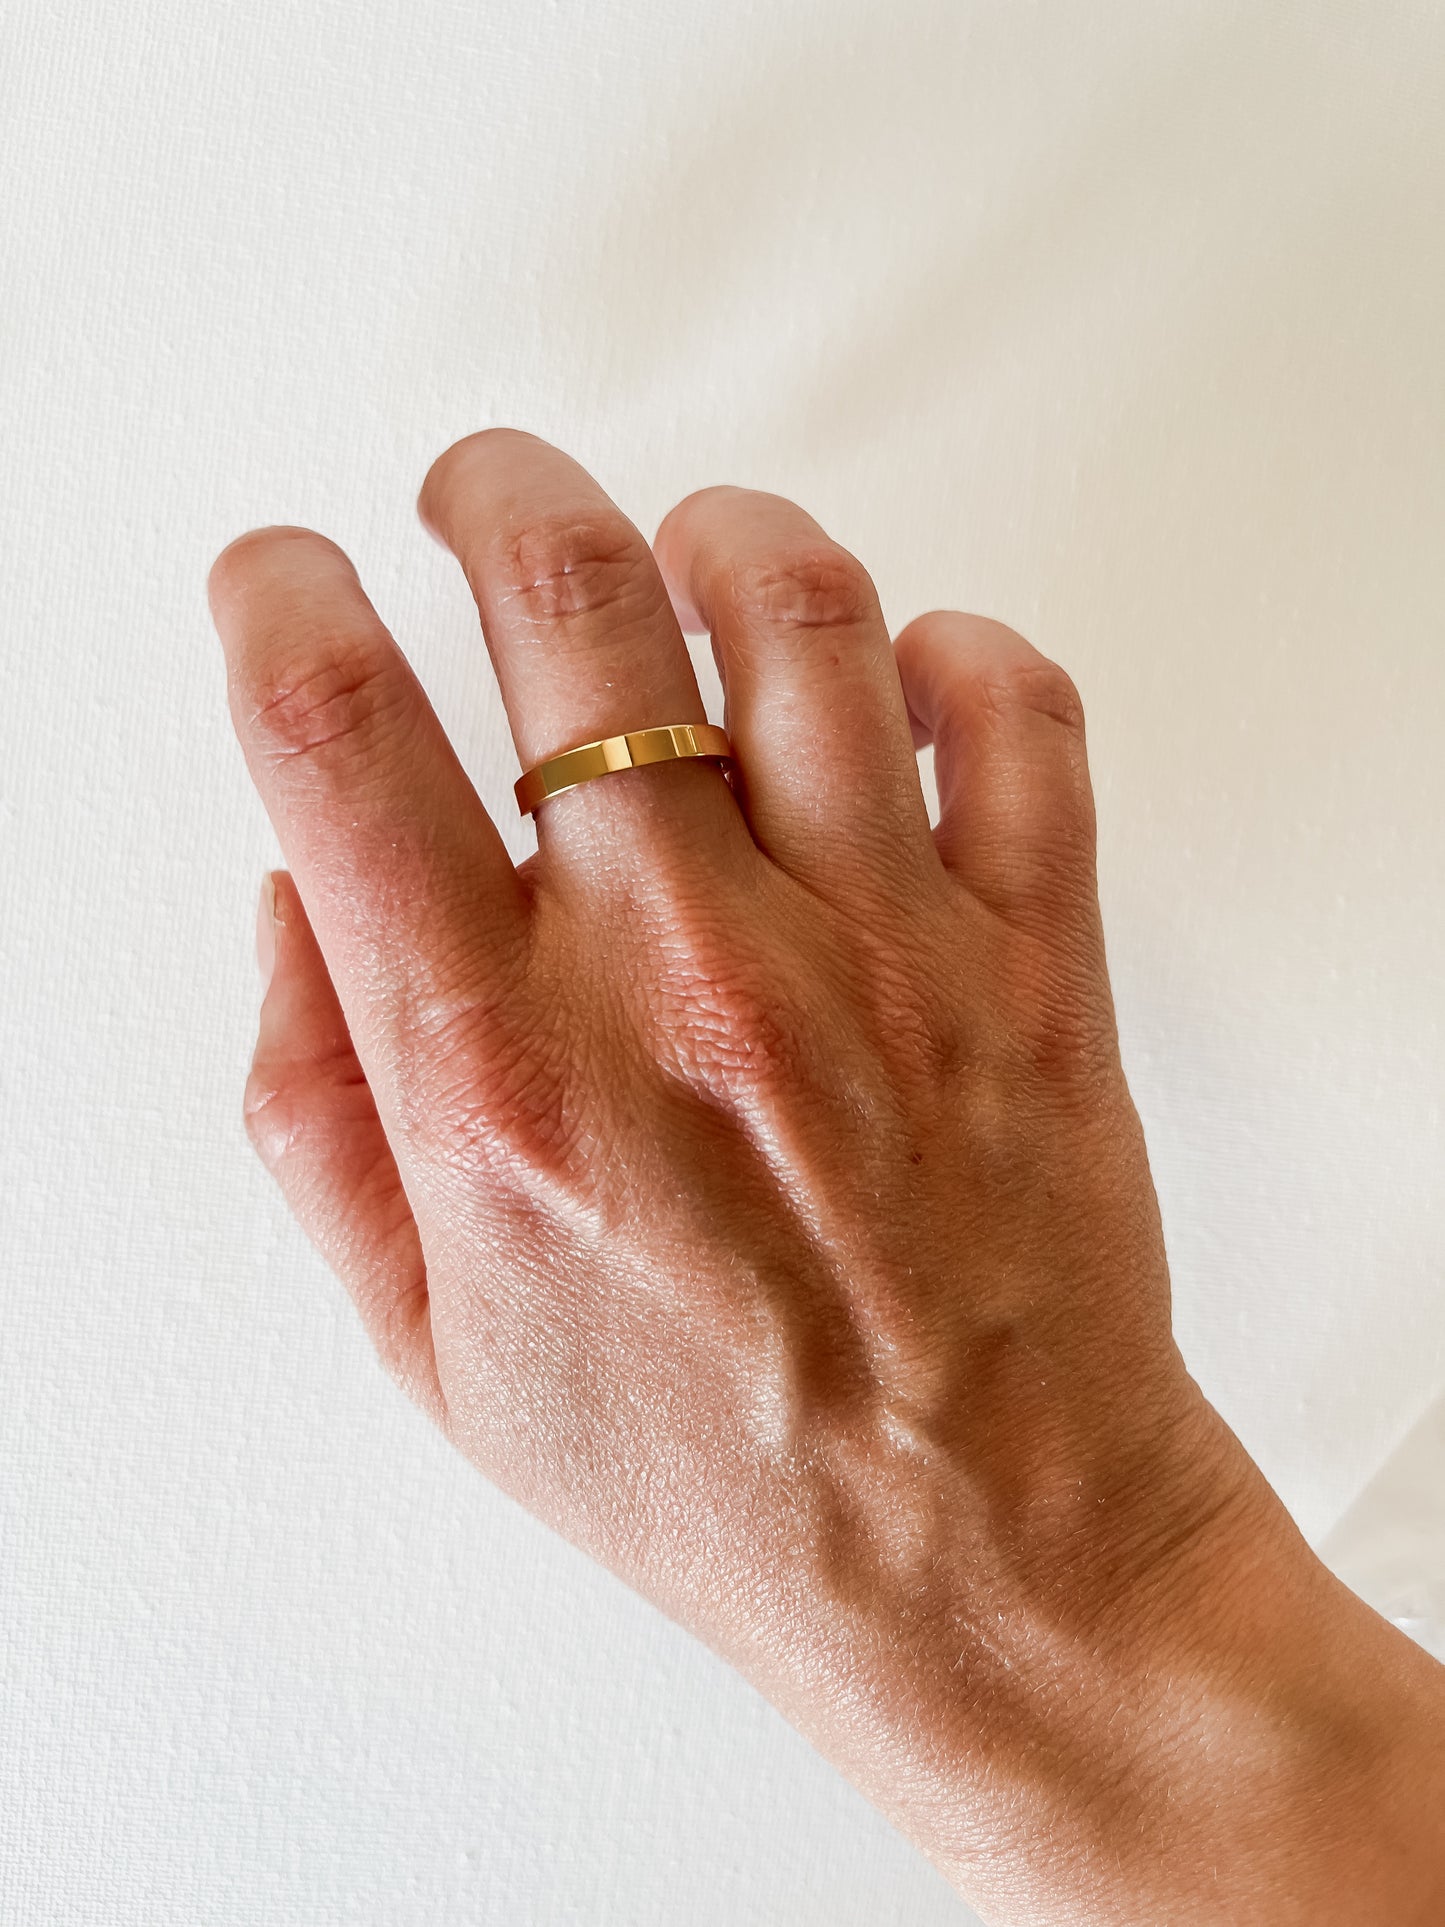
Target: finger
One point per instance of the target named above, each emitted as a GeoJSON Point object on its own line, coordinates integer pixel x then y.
{"type": "Point", "coordinates": [813, 698]}
{"type": "Point", "coordinates": [310, 1115]}
{"type": "Point", "coordinates": [1016, 812]}
{"type": "Point", "coordinates": [579, 626]}
{"type": "Point", "coordinates": [412, 894]}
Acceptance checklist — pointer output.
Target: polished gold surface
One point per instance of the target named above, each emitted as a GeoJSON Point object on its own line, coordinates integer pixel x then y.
{"type": "Point", "coordinates": [639, 746]}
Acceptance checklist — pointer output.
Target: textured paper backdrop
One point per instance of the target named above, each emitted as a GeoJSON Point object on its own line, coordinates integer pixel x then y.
{"type": "Point", "coordinates": [1120, 321]}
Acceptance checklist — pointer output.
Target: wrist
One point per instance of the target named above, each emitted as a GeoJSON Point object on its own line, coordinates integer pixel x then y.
{"type": "Point", "coordinates": [1199, 1723]}
{"type": "Point", "coordinates": [1270, 1751]}
{"type": "Point", "coordinates": [1282, 1759]}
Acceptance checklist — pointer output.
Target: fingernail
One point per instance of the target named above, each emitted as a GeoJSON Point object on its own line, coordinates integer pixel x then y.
{"type": "Point", "coordinates": [266, 930]}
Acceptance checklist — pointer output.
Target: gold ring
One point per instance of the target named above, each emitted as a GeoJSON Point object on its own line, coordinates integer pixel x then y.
{"type": "Point", "coordinates": [573, 766]}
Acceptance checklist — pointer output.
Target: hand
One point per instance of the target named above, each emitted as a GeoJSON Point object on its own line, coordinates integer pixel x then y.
{"type": "Point", "coordinates": [748, 1184]}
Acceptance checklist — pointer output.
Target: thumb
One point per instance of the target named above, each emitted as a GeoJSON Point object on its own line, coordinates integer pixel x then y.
{"type": "Point", "coordinates": [313, 1122]}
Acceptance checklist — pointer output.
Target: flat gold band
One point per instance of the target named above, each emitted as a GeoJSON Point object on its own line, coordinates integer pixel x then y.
{"type": "Point", "coordinates": [665, 745]}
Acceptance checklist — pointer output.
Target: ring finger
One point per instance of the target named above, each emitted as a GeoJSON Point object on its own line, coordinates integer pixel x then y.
{"type": "Point", "coordinates": [579, 626]}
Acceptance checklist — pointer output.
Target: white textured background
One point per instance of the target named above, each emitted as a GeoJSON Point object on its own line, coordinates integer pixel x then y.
{"type": "Point", "coordinates": [1122, 321]}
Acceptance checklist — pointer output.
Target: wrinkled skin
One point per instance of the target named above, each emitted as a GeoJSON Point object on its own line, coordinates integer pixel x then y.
{"type": "Point", "coordinates": [748, 1183]}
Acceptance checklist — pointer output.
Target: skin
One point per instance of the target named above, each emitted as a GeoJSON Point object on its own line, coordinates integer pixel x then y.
{"type": "Point", "coordinates": [748, 1184]}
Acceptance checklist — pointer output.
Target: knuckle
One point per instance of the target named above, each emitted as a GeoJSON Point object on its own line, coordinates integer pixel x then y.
{"type": "Point", "coordinates": [274, 1119]}
{"type": "Point", "coordinates": [1060, 1024]}
{"type": "Point", "coordinates": [396, 1326]}
{"type": "Point", "coordinates": [323, 700]}
{"type": "Point", "coordinates": [743, 1036]}
{"type": "Point", "coordinates": [293, 1103]}
{"type": "Point", "coordinates": [820, 587]}
{"type": "Point", "coordinates": [489, 1095]}
{"type": "Point", "coordinates": [723, 1009]}
{"type": "Point", "coordinates": [557, 569]}
{"type": "Point", "coordinates": [1034, 684]}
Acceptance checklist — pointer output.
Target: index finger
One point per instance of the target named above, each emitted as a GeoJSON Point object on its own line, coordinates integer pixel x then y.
{"type": "Point", "coordinates": [407, 884]}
